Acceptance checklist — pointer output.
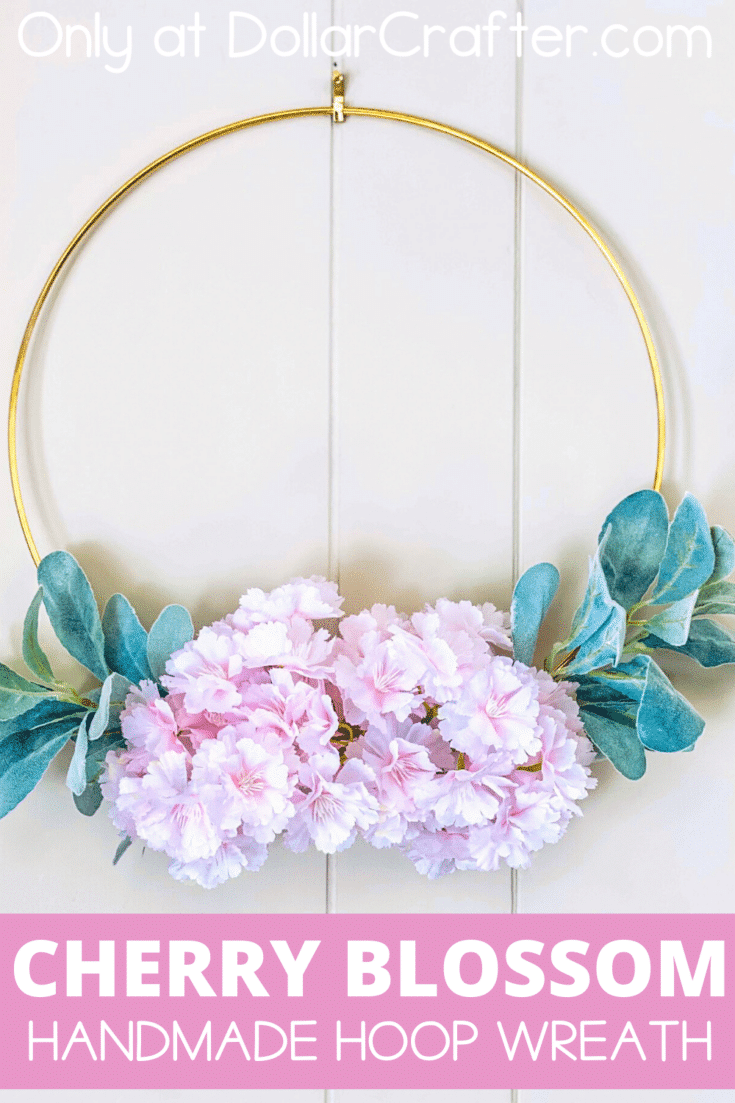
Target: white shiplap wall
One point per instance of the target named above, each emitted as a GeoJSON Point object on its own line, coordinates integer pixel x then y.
{"type": "Point", "coordinates": [303, 350]}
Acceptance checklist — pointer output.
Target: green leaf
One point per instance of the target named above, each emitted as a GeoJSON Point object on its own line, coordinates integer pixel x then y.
{"type": "Point", "coordinates": [126, 640]}
{"type": "Point", "coordinates": [724, 546]}
{"type": "Point", "coordinates": [638, 528]}
{"type": "Point", "coordinates": [114, 690]}
{"type": "Point", "coordinates": [121, 849]}
{"type": "Point", "coordinates": [603, 648]}
{"type": "Point", "coordinates": [533, 594]}
{"type": "Point", "coordinates": [673, 623]}
{"type": "Point", "coordinates": [666, 720]}
{"type": "Point", "coordinates": [171, 631]}
{"type": "Point", "coordinates": [716, 597]}
{"type": "Point", "coordinates": [73, 611]}
{"type": "Point", "coordinates": [599, 691]}
{"type": "Point", "coordinates": [617, 739]}
{"type": "Point", "coordinates": [599, 625]}
{"type": "Point", "coordinates": [48, 711]}
{"type": "Point", "coordinates": [89, 800]}
{"type": "Point", "coordinates": [595, 609]}
{"type": "Point", "coordinates": [690, 555]}
{"type": "Point", "coordinates": [112, 740]}
{"type": "Point", "coordinates": [101, 717]}
{"type": "Point", "coordinates": [715, 609]}
{"type": "Point", "coordinates": [33, 654]}
{"type": "Point", "coordinates": [627, 680]}
{"type": "Point", "coordinates": [24, 757]}
{"type": "Point", "coordinates": [708, 644]}
{"type": "Point", "coordinates": [76, 777]}
{"type": "Point", "coordinates": [18, 695]}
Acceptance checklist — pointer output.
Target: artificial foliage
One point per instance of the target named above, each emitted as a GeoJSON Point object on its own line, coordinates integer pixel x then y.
{"type": "Point", "coordinates": [434, 733]}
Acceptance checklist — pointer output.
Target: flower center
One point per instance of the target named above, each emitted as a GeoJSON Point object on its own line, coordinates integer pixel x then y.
{"type": "Point", "coordinates": [249, 782]}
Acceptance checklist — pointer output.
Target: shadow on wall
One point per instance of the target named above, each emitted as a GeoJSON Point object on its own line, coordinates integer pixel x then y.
{"type": "Point", "coordinates": [365, 580]}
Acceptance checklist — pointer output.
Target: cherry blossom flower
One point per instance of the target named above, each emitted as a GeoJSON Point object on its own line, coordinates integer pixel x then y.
{"type": "Point", "coordinates": [378, 667]}
{"type": "Point", "coordinates": [206, 671]}
{"type": "Point", "coordinates": [329, 812]}
{"type": "Point", "coordinates": [168, 813]}
{"type": "Point", "coordinates": [525, 821]}
{"type": "Point", "coordinates": [497, 708]}
{"type": "Point", "coordinates": [251, 782]}
{"type": "Point", "coordinates": [436, 853]}
{"type": "Point", "coordinates": [232, 857]}
{"type": "Point", "coordinates": [306, 598]}
{"type": "Point", "coordinates": [457, 637]}
{"type": "Point", "coordinates": [412, 733]}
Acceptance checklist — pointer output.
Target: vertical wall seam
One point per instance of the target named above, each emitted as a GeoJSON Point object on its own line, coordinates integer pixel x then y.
{"type": "Point", "coordinates": [333, 446]}
{"type": "Point", "coordinates": [333, 431]}
{"type": "Point", "coordinates": [333, 564]}
{"type": "Point", "coordinates": [333, 414]}
{"type": "Point", "coordinates": [517, 380]}
{"type": "Point", "coordinates": [333, 373]}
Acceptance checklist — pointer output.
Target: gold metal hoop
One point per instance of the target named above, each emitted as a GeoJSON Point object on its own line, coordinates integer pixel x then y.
{"type": "Point", "coordinates": [337, 111]}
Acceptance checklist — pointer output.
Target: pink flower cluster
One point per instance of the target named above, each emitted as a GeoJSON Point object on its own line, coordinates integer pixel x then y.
{"type": "Point", "coordinates": [477, 759]}
{"type": "Point", "coordinates": [412, 733]}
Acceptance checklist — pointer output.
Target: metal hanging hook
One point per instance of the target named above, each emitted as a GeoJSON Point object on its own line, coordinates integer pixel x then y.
{"type": "Point", "coordinates": [338, 96]}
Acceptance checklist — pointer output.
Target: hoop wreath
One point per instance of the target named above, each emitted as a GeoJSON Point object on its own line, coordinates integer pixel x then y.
{"type": "Point", "coordinates": [434, 733]}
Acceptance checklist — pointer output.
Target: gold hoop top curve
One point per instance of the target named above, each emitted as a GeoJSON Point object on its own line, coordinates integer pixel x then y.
{"type": "Point", "coordinates": [337, 111]}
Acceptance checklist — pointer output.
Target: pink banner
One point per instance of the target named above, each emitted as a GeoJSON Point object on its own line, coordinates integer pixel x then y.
{"type": "Point", "coordinates": [381, 1001]}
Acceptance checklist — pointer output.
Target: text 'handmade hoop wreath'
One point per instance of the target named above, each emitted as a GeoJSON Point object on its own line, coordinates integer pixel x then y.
{"type": "Point", "coordinates": [433, 733]}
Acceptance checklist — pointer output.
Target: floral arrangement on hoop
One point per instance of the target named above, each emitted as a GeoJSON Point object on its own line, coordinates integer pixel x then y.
{"type": "Point", "coordinates": [432, 733]}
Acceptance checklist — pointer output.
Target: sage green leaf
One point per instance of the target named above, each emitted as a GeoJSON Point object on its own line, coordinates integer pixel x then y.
{"type": "Point", "coordinates": [666, 720]}
{"type": "Point", "coordinates": [114, 690]}
{"type": "Point", "coordinates": [598, 628]}
{"type": "Point", "coordinates": [603, 648]}
{"type": "Point", "coordinates": [89, 800]}
{"type": "Point", "coordinates": [170, 632]}
{"type": "Point", "coordinates": [112, 740]}
{"type": "Point", "coordinates": [76, 777]}
{"type": "Point", "coordinates": [532, 596]}
{"type": "Point", "coordinates": [709, 644]}
{"type": "Point", "coordinates": [126, 640]}
{"type": "Point", "coordinates": [600, 692]}
{"type": "Point", "coordinates": [716, 597]}
{"type": "Point", "coordinates": [715, 609]}
{"type": "Point", "coordinates": [48, 711]}
{"type": "Point", "coordinates": [17, 694]}
{"type": "Point", "coordinates": [33, 654]}
{"type": "Point", "coordinates": [689, 558]}
{"type": "Point", "coordinates": [101, 717]}
{"type": "Point", "coordinates": [674, 622]}
{"type": "Point", "coordinates": [121, 687]}
{"type": "Point", "coordinates": [73, 611]}
{"type": "Point", "coordinates": [724, 546]}
{"type": "Point", "coordinates": [595, 609]}
{"type": "Point", "coordinates": [127, 842]}
{"type": "Point", "coordinates": [638, 528]}
{"type": "Point", "coordinates": [618, 740]}
{"type": "Point", "coordinates": [24, 757]}
{"type": "Point", "coordinates": [626, 680]}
